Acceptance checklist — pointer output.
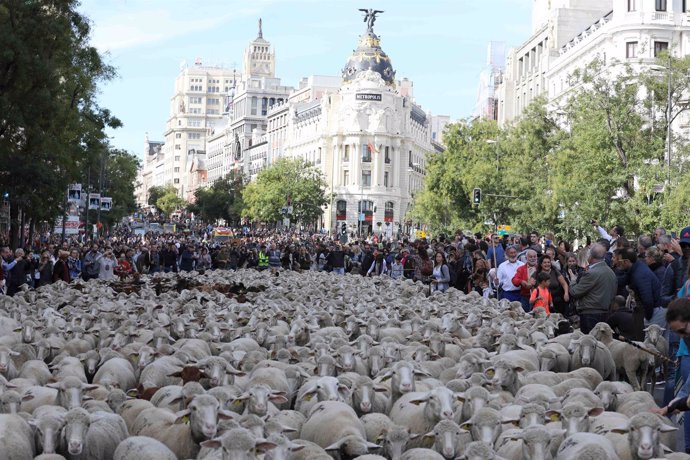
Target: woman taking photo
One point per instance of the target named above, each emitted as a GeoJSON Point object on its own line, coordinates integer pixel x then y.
{"type": "Point", "coordinates": [440, 278]}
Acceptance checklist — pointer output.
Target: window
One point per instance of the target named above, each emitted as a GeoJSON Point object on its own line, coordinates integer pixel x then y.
{"type": "Point", "coordinates": [212, 101]}
{"type": "Point", "coordinates": [385, 179]}
{"type": "Point", "coordinates": [684, 6]}
{"type": "Point", "coordinates": [366, 154]}
{"type": "Point", "coordinates": [195, 110]}
{"type": "Point", "coordinates": [178, 147]}
{"type": "Point", "coordinates": [194, 123]}
{"type": "Point", "coordinates": [387, 158]}
{"type": "Point", "coordinates": [194, 135]}
{"type": "Point", "coordinates": [660, 47]}
{"type": "Point", "coordinates": [177, 158]}
{"type": "Point", "coordinates": [195, 100]}
{"type": "Point", "coordinates": [264, 106]}
{"type": "Point", "coordinates": [365, 206]}
{"type": "Point", "coordinates": [632, 5]}
{"type": "Point", "coordinates": [341, 210]}
{"type": "Point", "coordinates": [318, 156]}
{"type": "Point", "coordinates": [254, 105]}
{"type": "Point", "coordinates": [212, 112]}
{"type": "Point", "coordinates": [346, 153]}
{"type": "Point", "coordinates": [177, 169]}
{"type": "Point", "coordinates": [388, 211]}
{"type": "Point", "coordinates": [178, 135]}
{"type": "Point", "coordinates": [631, 50]}
{"type": "Point", "coordinates": [176, 181]}
{"type": "Point", "coordinates": [366, 178]}
{"type": "Point", "coordinates": [660, 5]}
{"type": "Point", "coordinates": [346, 177]}
{"type": "Point", "coordinates": [409, 158]}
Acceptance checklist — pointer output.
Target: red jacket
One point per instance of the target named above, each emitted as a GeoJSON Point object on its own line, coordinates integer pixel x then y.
{"type": "Point", "coordinates": [522, 275]}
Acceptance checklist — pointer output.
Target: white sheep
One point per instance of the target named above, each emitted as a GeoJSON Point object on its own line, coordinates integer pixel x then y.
{"type": "Point", "coordinates": [448, 438]}
{"type": "Point", "coordinates": [116, 373]}
{"type": "Point", "coordinates": [589, 352]}
{"type": "Point", "coordinates": [16, 438]}
{"type": "Point", "coordinates": [421, 454]}
{"type": "Point", "coordinates": [142, 447]}
{"type": "Point", "coordinates": [644, 430]}
{"type": "Point", "coordinates": [334, 425]}
{"type": "Point", "coordinates": [586, 446]}
{"type": "Point", "coordinates": [91, 436]}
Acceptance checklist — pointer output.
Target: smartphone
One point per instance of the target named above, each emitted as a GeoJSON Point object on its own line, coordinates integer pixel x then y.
{"type": "Point", "coordinates": [674, 235]}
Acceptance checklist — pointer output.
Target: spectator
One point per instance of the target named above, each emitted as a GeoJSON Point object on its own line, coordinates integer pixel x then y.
{"type": "Point", "coordinates": [644, 242]}
{"type": "Point", "coordinates": [44, 274]}
{"type": "Point", "coordinates": [19, 274]}
{"type": "Point", "coordinates": [61, 269]}
{"type": "Point", "coordinates": [655, 261]}
{"type": "Point", "coordinates": [534, 243]}
{"type": "Point", "coordinates": [594, 290]}
{"type": "Point", "coordinates": [169, 258]}
{"type": "Point", "coordinates": [154, 259]}
{"type": "Point", "coordinates": [616, 233]}
{"type": "Point", "coordinates": [91, 263]}
{"type": "Point", "coordinates": [106, 268]}
{"type": "Point", "coordinates": [505, 274]}
{"type": "Point", "coordinates": [123, 268]}
{"type": "Point", "coordinates": [495, 255]}
{"type": "Point", "coordinates": [541, 296]}
{"type": "Point", "coordinates": [396, 270]}
{"type": "Point", "coordinates": [626, 321]}
{"type": "Point", "coordinates": [74, 264]}
{"type": "Point", "coordinates": [188, 259]}
{"type": "Point", "coordinates": [440, 280]}
{"type": "Point", "coordinates": [378, 266]}
{"type": "Point", "coordinates": [336, 259]}
{"type": "Point", "coordinates": [558, 287]}
{"type": "Point", "coordinates": [642, 281]}
{"type": "Point", "coordinates": [204, 262]}
{"type": "Point", "coordinates": [525, 280]}
{"type": "Point", "coordinates": [274, 257]}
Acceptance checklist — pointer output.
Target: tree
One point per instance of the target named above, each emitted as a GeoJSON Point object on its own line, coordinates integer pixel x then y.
{"type": "Point", "coordinates": [169, 201]}
{"type": "Point", "coordinates": [49, 78]}
{"type": "Point", "coordinates": [222, 200]}
{"type": "Point", "coordinates": [120, 173]}
{"type": "Point", "coordinates": [287, 179]}
{"type": "Point", "coordinates": [155, 192]}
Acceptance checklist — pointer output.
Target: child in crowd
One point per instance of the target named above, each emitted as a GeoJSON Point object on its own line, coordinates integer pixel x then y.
{"type": "Point", "coordinates": [541, 296]}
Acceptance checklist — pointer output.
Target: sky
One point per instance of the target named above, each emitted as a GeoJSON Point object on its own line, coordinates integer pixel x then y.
{"type": "Point", "coordinates": [441, 45]}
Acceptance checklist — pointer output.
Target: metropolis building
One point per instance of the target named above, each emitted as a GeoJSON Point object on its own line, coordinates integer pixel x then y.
{"type": "Point", "coordinates": [363, 130]}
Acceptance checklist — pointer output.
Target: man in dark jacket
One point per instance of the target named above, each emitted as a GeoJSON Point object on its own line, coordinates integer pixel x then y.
{"type": "Point", "coordinates": [336, 259]}
{"type": "Point", "coordinates": [677, 272]}
{"type": "Point", "coordinates": [367, 260]}
{"type": "Point", "coordinates": [643, 282]}
{"type": "Point", "coordinates": [594, 290]}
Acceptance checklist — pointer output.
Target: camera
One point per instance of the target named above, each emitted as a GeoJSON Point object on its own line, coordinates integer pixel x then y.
{"type": "Point", "coordinates": [593, 222]}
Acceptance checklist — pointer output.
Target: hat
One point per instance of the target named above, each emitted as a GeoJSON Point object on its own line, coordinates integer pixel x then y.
{"type": "Point", "coordinates": [685, 235]}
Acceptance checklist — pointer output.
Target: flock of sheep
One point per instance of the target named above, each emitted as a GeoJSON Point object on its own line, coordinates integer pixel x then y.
{"type": "Point", "coordinates": [313, 366]}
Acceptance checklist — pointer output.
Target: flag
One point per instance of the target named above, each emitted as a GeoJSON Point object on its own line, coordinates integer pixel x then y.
{"type": "Point", "coordinates": [372, 148]}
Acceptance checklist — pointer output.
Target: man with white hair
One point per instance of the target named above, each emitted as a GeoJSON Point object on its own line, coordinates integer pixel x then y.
{"type": "Point", "coordinates": [505, 273]}
{"type": "Point", "coordinates": [595, 290]}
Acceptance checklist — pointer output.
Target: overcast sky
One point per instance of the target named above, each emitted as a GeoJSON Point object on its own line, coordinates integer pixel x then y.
{"type": "Point", "coordinates": [441, 45]}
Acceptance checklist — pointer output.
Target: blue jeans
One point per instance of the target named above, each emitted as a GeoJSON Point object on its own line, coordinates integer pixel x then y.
{"type": "Point", "coordinates": [525, 304]}
{"type": "Point", "coordinates": [588, 321]}
{"type": "Point", "coordinates": [684, 373]}
{"type": "Point", "coordinates": [671, 369]}
{"type": "Point", "coordinates": [511, 295]}
{"type": "Point", "coordinates": [339, 270]}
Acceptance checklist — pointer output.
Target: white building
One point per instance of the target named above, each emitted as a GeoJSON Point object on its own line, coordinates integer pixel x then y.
{"type": "Point", "coordinates": [569, 34]}
{"type": "Point", "coordinates": [487, 103]}
{"type": "Point", "coordinates": [233, 145]}
{"type": "Point", "coordinates": [366, 134]}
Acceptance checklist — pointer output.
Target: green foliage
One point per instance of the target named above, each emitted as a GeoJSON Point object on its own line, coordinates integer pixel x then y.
{"type": "Point", "coordinates": [223, 200]}
{"type": "Point", "coordinates": [169, 201]}
{"type": "Point", "coordinates": [51, 125]}
{"type": "Point", "coordinates": [294, 179]}
{"type": "Point", "coordinates": [600, 155]}
{"type": "Point", "coordinates": [154, 193]}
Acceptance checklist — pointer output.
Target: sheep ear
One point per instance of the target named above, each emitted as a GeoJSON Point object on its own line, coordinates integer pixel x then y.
{"type": "Point", "coordinates": [54, 385]}
{"type": "Point", "coordinates": [371, 445]}
{"type": "Point", "coordinates": [421, 372]}
{"type": "Point", "coordinates": [430, 436]}
{"type": "Point", "coordinates": [595, 411]}
{"type": "Point", "coordinates": [262, 446]}
{"type": "Point", "coordinates": [666, 428]}
{"type": "Point", "coordinates": [278, 397]}
{"type": "Point", "coordinates": [418, 401]}
{"type": "Point", "coordinates": [28, 397]}
{"type": "Point", "coordinates": [460, 397]}
{"type": "Point", "coordinates": [225, 415]}
{"type": "Point", "coordinates": [182, 416]}
{"type": "Point", "coordinates": [380, 389]}
{"type": "Point", "coordinates": [133, 393]}
{"type": "Point", "coordinates": [490, 372]}
{"type": "Point", "coordinates": [518, 369]}
{"type": "Point", "coordinates": [384, 377]}
{"type": "Point", "coordinates": [212, 444]}
{"type": "Point", "coordinates": [335, 446]}
{"type": "Point", "coordinates": [619, 430]}
{"type": "Point", "coordinates": [89, 387]}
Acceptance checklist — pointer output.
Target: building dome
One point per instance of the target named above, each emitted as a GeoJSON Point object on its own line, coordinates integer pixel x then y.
{"type": "Point", "coordinates": [369, 56]}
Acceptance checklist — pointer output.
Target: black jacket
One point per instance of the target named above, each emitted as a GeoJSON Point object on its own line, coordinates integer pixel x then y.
{"type": "Point", "coordinates": [675, 277]}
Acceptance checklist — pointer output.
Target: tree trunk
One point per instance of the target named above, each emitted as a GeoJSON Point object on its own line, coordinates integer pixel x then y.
{"type": "Point", "coordinates": [14, 226]}
{"type": "Point", "coordinates": [22, 222]}
{"type": "Point", "coordinates": [31, 232]}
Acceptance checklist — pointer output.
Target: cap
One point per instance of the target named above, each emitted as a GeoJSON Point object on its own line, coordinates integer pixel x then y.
{"type": "Point", "coordinates": [685, 235]}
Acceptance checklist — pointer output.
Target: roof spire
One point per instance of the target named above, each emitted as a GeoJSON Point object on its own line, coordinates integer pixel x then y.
{"type": "Point", "coordinates": [261, 33]}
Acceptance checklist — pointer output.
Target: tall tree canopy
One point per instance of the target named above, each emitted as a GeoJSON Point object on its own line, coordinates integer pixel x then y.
{"type": "Point", "coordinates": [50, 122]}
{"type": "Point", "coordinates": [287, 179]}
{"type": "Point", "coordinates": [222, 200]}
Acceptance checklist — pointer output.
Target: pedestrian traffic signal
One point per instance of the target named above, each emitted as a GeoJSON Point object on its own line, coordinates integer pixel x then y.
{"type": "Point", "coordinates": [477, 196]}
{"type": "Point", "coordinates": [343, 228]}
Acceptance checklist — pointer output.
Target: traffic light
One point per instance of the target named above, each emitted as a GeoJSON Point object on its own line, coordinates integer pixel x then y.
{"type": "Point", "coordinates": [477, 196]}
{"type": "Point", "coordinates": [343, 228]}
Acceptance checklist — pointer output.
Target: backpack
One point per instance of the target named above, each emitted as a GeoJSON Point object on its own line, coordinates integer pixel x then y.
{"type": "Point", "coordinates": [427, 268]}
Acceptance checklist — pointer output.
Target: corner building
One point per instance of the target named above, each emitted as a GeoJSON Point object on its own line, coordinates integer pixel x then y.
{"type": "Point", "coordinates": [367, 136]}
